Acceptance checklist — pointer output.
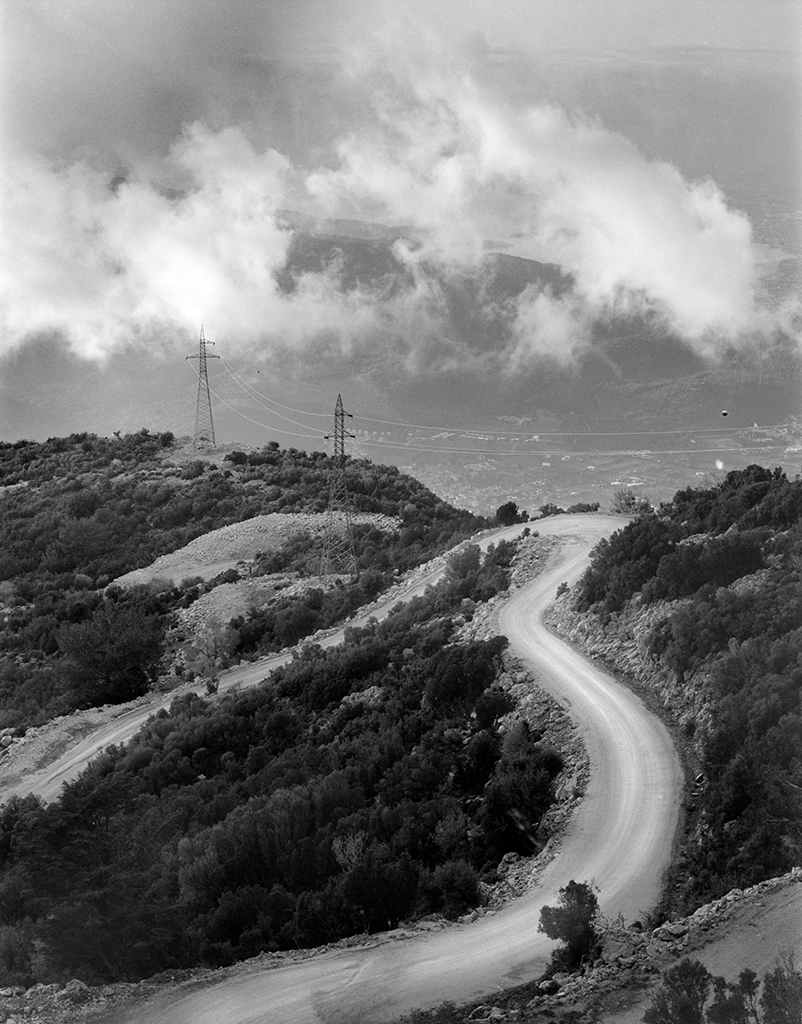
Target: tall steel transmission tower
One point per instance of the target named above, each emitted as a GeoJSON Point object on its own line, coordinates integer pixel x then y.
{"type": "Point", "coordinates": [204, 424]}
{"type": "Point", "coordinates": [338, 541]}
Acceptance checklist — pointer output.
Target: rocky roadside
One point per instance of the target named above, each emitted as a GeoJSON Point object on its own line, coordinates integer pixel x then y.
{"type": "Point", "coordinates": [40, 745]}
{"type": "Point", "coordinates": [631, 962]}
{"type": "Point", "coordinates": [623, 644]}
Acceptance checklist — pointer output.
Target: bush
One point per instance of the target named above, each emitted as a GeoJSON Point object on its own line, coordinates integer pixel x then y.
{"type": "Point", "coordinates": [682, 997]}
{"type": "Point", "coordinates": [509, 514]}
{"type": "Point", "coordinates": [684, 994]}
{"type": "Point", "coordinates": [112, 657]}
{"type": "Point", "coordinates": [629, 503]}
{"type": "Point", "coordinates": [452, 888]}
{"type": "Point", "coordinates": [574, 924]}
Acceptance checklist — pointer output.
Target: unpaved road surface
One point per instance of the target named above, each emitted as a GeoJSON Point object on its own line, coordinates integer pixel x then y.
{"type": "Point", "coordinates": [621, 837]}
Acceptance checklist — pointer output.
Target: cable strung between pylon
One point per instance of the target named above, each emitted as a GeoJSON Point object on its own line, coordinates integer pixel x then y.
{"type": "Point", "coordinates": [312, 435]}
{"type": "Point", "coordinates": [251, 391]}
{"type": "Point", "coordinates": [451, 450]}
{"type": "Point", "coordinates": [249, 388]}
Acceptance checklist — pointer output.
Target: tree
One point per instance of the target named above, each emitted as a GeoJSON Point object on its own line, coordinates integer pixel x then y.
{"type": "Point", "coordinates": [382, 887]}
{"type": "Point", "coordinates": [682, 997]}
{"type": "Point", "coordinates": [209, 650]}
{"type": "Point", "coordinates": [781, 1000]}
{"type": "Point", "coordinates": [112, 657]}
{"type": "Point", "coordinates": [81, 541]}
{"type": "Point", "coordinates": [574, 923]}
{"type": "Point", "coordinates": [550, 509]}
{"type": "Point", "coordinates": [452, 888]}
{"type": "Point", "coordinates": [509, 514]}
{"type": "Point", "coordinates": [686, 987]}
{"type": "Point", "coordinates": [463, 563]}
{"type": "Point", "coordinates": [735, 1003]}
{"type": "Point", "coordinates": [628, 502]}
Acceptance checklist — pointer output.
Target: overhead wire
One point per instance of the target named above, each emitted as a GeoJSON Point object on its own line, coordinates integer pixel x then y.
{"type": "Point", "coordinates": [524, 435]}
{"type": "Point", "coordinates": [251, 390]}
{"type": "Point", "coordinates": [311, 434]}
{"type": "Point", "coordinates": [249, 419]}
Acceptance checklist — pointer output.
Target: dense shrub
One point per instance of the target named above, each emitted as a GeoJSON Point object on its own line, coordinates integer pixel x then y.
{"type": "Point", "coordinates": [79, 511]}
{"type": "Point", "coordinates": [727, 561]}
{"type": "Point", "coordinates": [685, 996]}
{"type": "Point", "coordinates": [655, 545]}
{"type": "Point", "coordinates": [359, 786]}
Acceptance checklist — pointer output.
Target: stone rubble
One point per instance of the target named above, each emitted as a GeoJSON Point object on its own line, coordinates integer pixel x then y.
{"type": "Point", "coordinates": [630, 956]}
{"type": "Point", "coordinates": [42, 744]}
{"type": "Point", "coordinates": [630, 953]}
{"type": "Point", "coordinates": [622, 644]}
{"type": "Point", "coordinates": [240, 542]}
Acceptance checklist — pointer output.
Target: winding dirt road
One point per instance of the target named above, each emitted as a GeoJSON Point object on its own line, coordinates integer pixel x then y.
{"type": "Point", "coordinates": [620, 837]}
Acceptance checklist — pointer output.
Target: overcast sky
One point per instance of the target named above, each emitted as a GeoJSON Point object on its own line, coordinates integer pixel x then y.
{"type": "Point", "coordinates": [150, 145]}
{"type": "Point", "coordinates": [78, 69]}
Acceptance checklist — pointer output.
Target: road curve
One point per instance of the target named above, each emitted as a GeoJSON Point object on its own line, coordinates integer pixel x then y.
{"type": "Point", "coordinates": [621, 837]}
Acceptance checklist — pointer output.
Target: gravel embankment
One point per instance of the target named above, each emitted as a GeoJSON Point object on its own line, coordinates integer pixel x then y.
{"type": "Point", "coordinates": [214, 552]}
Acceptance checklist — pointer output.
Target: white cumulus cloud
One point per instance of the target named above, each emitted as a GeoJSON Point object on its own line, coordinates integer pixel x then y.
{"type": "Point", "coordinates": [196, 234]}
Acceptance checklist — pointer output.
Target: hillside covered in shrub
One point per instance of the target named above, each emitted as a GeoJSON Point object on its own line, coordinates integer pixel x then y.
{"type": "Point", "coordinates": [77, 512]}
{"type": "Point", "coordinates": [712, 584]}
{"type": "Point", "coordinates": [358, 786]}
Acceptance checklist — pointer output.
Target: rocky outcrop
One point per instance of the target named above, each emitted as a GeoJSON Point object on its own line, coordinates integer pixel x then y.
{"type": "Point", "coordinates": [622, 645]}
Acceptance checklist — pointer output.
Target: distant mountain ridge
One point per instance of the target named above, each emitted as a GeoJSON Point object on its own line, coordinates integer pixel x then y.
{"type": "Point", "coordinates": [605, 383]}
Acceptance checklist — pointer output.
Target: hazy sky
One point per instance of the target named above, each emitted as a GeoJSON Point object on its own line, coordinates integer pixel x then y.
{"type": "Point", "coordinates": [77, 72]}
{"type": "Point", "coordinates": [151, 145]}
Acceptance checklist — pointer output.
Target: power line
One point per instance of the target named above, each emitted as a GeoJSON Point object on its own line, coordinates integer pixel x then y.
{"type": "Point", "coordinates": [258, 423]}
{"type": "Point", "coordinates": [204, 424]}
{"type": "Point", "coordinates": [253, 392]}
{"type": "Point", "coordinates": [338, 538]}
{"type": "Point", "coordinates": [407, 446]}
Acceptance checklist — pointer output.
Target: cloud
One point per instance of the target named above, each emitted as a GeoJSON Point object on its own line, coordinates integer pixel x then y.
{"type": "Point", "coordinates": [544, 325]}
{"type": "Point", "coordinates": [100, 260]}
{"type": "Point", "coordinates": [111, 246]}
{"type": "Point", "coordinates": [632, 232]}
{"type": "Point", "coordinates": [111, 262]}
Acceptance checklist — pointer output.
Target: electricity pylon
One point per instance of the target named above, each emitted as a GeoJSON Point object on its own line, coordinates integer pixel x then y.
{"type": "Point", "coordinates": [204, 424]}
{"type": "Point", "coordinates": [338, 541]}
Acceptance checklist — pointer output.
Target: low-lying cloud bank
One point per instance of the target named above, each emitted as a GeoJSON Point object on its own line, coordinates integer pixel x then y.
{"type": "Point", "coordinates": [145, 252]}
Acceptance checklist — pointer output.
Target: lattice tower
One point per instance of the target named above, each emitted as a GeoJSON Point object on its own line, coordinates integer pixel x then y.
{"type": "Point", "coordinates": [204, 424]}
{"type": "Point", "coordinates": [338, 539]}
